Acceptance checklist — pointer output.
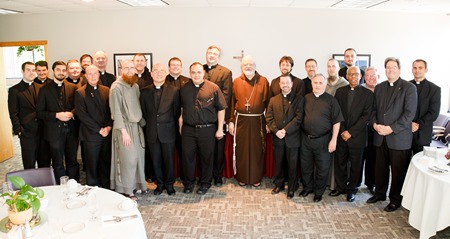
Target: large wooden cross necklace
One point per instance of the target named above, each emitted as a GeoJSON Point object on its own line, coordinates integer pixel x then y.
{"type": "Point", "coordinates": [247, 104]}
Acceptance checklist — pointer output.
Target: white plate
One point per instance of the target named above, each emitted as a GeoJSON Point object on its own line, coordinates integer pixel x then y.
{"type": "Point", "coordinates": [73, 227]}
{"type": "Point", "coordinates": [75, 204]}
{"type": "Point", "coordinates": [124, 208]}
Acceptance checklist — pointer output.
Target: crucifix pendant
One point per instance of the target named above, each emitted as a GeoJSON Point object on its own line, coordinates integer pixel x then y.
{"type": "Point", "coordinates": [247, 105]}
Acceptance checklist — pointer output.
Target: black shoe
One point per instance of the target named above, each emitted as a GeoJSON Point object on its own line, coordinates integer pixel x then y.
{"type": "Point", "coordinates": [277, 190]}
{"type": "Point", "coordinates": [170, 191]}
{"type": "Point", "coordinates": [202, 190]}
{"type": "Point", "coordinates": [391, 207]}
{"type": "Point", "coordinates": [335, 193]}
{"type": "Point", "coordinates": [157, 191]}
{"type": "Point", "coordinates": [371, 189]}
{"type": "Point", "coordinates": [375, 199]}
{"type": "Point", "coordinates": [350, 197]}
{"type": "Point", "coordinates": [187, 190]}
{"type": "Point", "coordinates": [317, 198]}
{"type": "Point", "coordinates": [218, 182]}
{"type": "Point", "coordinates": [304, 193]}
{"type": "Point", "coordinates": [290, 194]}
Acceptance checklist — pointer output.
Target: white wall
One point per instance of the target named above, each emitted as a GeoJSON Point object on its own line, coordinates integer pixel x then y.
{"type": "Point", "coordinates": [264, 33]}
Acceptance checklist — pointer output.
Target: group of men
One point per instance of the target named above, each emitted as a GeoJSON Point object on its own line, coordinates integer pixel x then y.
{"type": "Point", "coordinates": [129, 127]}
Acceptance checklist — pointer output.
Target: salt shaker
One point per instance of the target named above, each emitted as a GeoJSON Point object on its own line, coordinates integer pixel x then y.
{"type": "Point", "coordinates": [28, 232]}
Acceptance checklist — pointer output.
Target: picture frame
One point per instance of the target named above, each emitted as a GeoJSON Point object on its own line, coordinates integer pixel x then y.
{"type": "Point", "coordinates": [362, 60]}
{"type": "Point", "coordinates": [119, 57]}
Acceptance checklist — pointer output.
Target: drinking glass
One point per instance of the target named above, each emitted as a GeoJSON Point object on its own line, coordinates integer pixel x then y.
{"type": "Point", "coordinates": [93, 206]}
{"type": "Point", "coordinates": [7, 187]}
{"type": "Point", "coordinates": [63, 187]}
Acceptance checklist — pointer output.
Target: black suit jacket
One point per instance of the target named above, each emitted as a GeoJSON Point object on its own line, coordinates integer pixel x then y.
{"type": "Point", "coordinates": [106, 79]}
{"type": "Point", "coordinates": [398, 113]}
{"type": "Point", "coordinates": [357, 117]}
{"type": "Point", "coordinates": [289, 121]}
{"type": "Point", "coordinates": [222, 77]}
{"type": "Point", "coordinates": [92, 116]}
{"type": "Point", "coordinates": [428, 107]}
{"type": "Point", "coordinates": [145, 79]}
{"type": "Point", "coordinates": [161, 122]}
{"type": "Point", "coordinates": [298, 86]}
{"type": "Point", "coordinates": [22, 99]}
{"type": "Point", "coordinates": [48, 106]}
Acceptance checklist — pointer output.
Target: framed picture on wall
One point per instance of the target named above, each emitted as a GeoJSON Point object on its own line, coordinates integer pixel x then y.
{"type": "Point", "coordinates": [362, 60]}
{"type": "Point", "coordinates": [119, 57]}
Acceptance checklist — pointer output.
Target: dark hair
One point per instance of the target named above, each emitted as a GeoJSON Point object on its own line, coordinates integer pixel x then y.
{"type": "Point", "coordinates": [350, 49]}
{"type": "Point", "coordinates": [174, 59]}
{"type": "Point", "coordinates": [310, 59]}
{"type": "Point", "coordinates": [26, 63]}
{"type": "Point", "coordinates": [288, 59]}
{"type": "Point", "coordinates": [41, 63]}
{"type": "Point", "coordinates": [392, 59]}
{"type": "Point", "coordinates": [423, 61]}
{"type": "Point", "coordinates": [86, 56]}
{"type": "Point", "coordinates": [139, 54]}
{"type": "Point", "coordinates": [58, 63]}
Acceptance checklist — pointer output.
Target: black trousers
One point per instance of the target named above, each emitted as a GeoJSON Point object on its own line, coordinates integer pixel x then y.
{"type": "Point", "coordinates": [286, 166]}
{"type": "Point", "coordinates": [391, 161]}
{"type": "Point", "coordinates": [347, 167]}
{"type": "Point", "coordinates": [64, 151]}
{"type": "Point", "coordinates": [219, 157]}
{"type": "Point", "coordinates": [148, 166]}
{"type": "Point", "coordinates": [416, 147]}
{"type": "Point", "coordinates": [368, 163]}
{"type": "Point", "coordinates": [315, 163]}
{"type": "Point", "coordinates": [163, 166]}
{"type": "Point", "coordinates": [98, 162]}
{"type": "Point", "coordinates": [179, 147]}
{"type": "Point", "coordinates": [198, 142]}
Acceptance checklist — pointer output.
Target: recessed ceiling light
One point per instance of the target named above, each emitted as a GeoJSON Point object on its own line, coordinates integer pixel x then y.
{"type": "Point", "coordinates": [7, 11]}
{"type": "Point", "coordinates": [143, 3]}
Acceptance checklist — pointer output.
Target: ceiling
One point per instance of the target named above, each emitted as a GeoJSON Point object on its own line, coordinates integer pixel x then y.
{"type": "Point", "coordinates": [61, 6]}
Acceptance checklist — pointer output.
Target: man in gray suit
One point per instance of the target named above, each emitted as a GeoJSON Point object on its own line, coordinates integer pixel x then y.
{"type": "Point", "coordinates": [394, 109]}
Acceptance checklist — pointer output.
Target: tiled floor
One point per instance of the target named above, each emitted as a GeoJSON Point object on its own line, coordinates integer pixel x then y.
{"type": "Point", "coordinates": [232, 211]}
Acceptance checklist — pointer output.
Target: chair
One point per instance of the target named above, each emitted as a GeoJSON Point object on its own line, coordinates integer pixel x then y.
{"type": "Point", "coordinates": [35, 177]}
{"type": "Point", "coordinates": [444, 140]}
{"type": "Point", "coordinates": [441, 121]}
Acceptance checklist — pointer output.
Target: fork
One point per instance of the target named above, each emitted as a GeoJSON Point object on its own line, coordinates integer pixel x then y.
{"type": "Point", "coordinates": [119, 219]}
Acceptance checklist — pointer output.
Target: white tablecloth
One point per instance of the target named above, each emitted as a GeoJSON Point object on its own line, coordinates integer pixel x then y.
{"type": "Point", "coordinates": [58, 216]}
{"type": "Point", "coordinates": [426, 195]}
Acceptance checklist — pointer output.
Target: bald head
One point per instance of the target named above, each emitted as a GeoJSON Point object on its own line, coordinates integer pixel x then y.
{"type": "Point", "coordinates": [159, 74]}
{"type": "Point", "coordinates": [101, 60]}
{"type": "Point", "coordinates": [92, 75]}
{"type": "Point", "coordinates": [248, 66]}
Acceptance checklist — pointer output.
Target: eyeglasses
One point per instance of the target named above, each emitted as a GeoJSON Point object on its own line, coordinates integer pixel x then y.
{"type": "Point", "coordinates": [128, 68]}
{"type": "Point", "coordinates": [353, 74]}
{"type": "Point", "coordinates": [159, 71]}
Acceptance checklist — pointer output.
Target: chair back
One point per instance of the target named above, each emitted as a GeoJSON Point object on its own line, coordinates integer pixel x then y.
{"type": "Point", "coordinates": [35, 177]}
{"type": "Point", "coordinates": [442, 120]}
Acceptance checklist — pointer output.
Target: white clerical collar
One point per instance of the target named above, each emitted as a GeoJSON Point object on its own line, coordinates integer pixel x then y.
{"type": "Point", "coordinates": [285, 96]}
{"type": "Point", "coordinates": [417, 82]}
{"type": "Point", "coordinates": [95, 87]}
{"type": "Point", "coordinates": [59, 83]}
{"type": "Point", "coordinates": [391, 84]}
{"type": "Point", "coordinates": [197, 85]}
{"type": "Point", "coordinates": [75, 81]}
{"type": "Point", "coordinates": [103, 72]}
{"type": "Point", "coordinates": [139, 75]}
{"type": "Point", "coordinates": [317, 95]}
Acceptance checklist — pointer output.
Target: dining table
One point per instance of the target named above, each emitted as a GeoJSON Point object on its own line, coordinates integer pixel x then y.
{"type": "Point", "coordinates": [426, 192]}
{"type": "Point", "coordinates": [70, 215]}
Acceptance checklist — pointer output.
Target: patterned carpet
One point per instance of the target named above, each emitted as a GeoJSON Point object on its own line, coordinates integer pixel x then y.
{"type": "Point", "coordinates": [232, 211]}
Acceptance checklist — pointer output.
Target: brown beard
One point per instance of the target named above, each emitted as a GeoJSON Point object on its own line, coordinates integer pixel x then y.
{"type": "Point", "coordinates": [131, 80]}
